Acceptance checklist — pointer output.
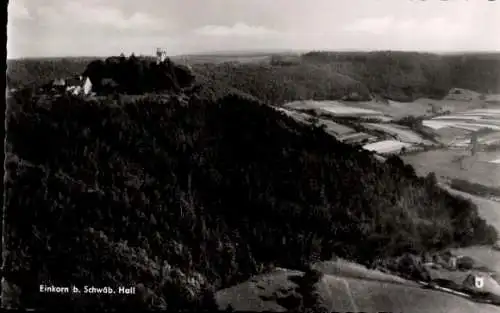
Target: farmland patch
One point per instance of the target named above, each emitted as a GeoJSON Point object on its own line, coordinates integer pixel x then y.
{"type": "Point", "coordinates": [387, 146]}
{"type": "Point", "coordinates": [401, 133]}
{"type": "Point", "coordinates": [331, 127]}
{"type": "Point", "coordinates": [334, 108]}
{"type": "Point", "coordinates": [449, 164]}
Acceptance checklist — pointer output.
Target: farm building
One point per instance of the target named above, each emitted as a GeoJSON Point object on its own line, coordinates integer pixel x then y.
{"type": "Point", "coordinates": [79, 85]}
{"type": "Point", "coordinates": [480, 281]}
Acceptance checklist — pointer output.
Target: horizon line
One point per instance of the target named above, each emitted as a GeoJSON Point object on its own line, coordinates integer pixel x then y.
{"type": "Point", "coordinates": [265, 51]}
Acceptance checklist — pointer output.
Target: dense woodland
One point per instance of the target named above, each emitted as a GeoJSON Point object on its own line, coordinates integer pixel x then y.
{"type": "Point", "coordinates": [180, 196]}
{"type": "Point", "coordinates": [409, 75]}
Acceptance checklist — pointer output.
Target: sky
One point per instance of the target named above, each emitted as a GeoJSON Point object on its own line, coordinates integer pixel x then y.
{"type": "Point", "coordinates": [52, 28]}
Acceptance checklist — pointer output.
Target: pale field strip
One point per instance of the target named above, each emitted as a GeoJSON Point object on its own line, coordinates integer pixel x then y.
{"type": "Point", "coordinates": [405, 135]}
{"type": "Point", "coordinates": [356, 137]}
{"type": "Point", "coordinates": [492, 98]}
{"type": "Point", "coordinates": [344, 110]}
{"type": "Point", "coordinates": [492, 124]}
{"type": "Point", "coordinates": [468, 141]}
{"type": "Point", "coordinates": [468, 126]}
{"type": "Point", "coordinates": [485, 111]}
{"type": "Point", "coordinates": [490, 141]}
{"type": "Point", "coordinates": [460, 117]}
{"type": "Point", "coordinates": [332, 126]}
{"type": "Point", "coordinates": [482, 114]}
{"type": "Point", "coordinates": [334, 107]}
{"type": "Point", "coordinates": [480, 125]}
{"type": "Point", "coordinates": [337, 128]}
{"type": "Point", "coordinates": [387, 146]}
{"type": "Point", "coordinates": [446, 124]}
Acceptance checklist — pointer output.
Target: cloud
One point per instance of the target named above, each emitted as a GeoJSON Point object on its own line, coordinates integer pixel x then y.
{"type": "Point", "coordinates": [238, 29]}
{"type": "Point", "coordinates": [433, 27]}
{"type": "Point", "coordinates": [371, 25]}
{"type": "Point", "coordinates": [17, 10]}
{"type": "Point", "coordinates": [99, 15]}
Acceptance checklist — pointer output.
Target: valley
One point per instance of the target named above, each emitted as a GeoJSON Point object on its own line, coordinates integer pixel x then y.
{"type": "Point", "coordinates": [236, 175]}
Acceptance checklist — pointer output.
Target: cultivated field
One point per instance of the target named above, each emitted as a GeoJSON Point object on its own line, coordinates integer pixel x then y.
{"type": "Point", "coordinates": [331, 127]}
{"type": "Point", "coordinates": [420, 107]}
{"type": "Point", "coordinates": [485, 255]}
{"type": "Point", "coordinates": [344, 268]}
{"type": "Point", "coordinates": [449, 163]}
{"type": "Point", "coordinates": [493, 98]}
{"type": "Point", "coordinates": [460, 94]}
{"type": "Point", "coordinates": [336, 108]}
{"type": "Point", "coordinates": [391, 137]}
{"type": "Point", "coordinates": [397, 109]}
{"type": "Point", "coordinates": [357, 138]}
{"type": "Point", "coordinates": [387, 146]}
{"type": "Point", "coordinates": [401, 133]}
{"type": "Point", "coordinates": [473, 120]}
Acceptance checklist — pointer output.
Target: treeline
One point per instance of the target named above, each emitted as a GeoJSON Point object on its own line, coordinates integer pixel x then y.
{"type": "Point", "coordinates": [29, 72]}
{"type": "Point", "coordinates": [180, 197]}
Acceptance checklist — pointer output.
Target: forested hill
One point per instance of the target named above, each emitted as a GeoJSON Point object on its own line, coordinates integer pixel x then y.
{"type": "Point", "coordinates": [401, 76]}
{"type": "Point", "coordinates": [318, 75]}
{"type": "Point", "coordinates": [182, 195]}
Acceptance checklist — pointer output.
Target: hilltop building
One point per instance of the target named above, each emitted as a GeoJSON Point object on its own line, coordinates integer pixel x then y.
{"type": "Point", "coordinates": [161, 55]}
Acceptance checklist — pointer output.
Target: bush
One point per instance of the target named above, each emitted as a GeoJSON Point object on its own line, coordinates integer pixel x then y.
{"type": "Point", "coordinates": [465, 263]}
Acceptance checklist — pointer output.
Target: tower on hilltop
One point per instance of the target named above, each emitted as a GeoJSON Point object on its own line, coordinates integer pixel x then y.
{"type": "Point", "coordinates": [161, 55]}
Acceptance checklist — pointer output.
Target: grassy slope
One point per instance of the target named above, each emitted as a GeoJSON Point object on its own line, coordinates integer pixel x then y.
{"type": "Point", "coordinates": [343, 294]}
{"type": "Point", "coordinates": [112, 193]}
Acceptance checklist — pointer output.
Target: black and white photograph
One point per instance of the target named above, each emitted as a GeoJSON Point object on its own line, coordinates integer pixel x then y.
{"type": "Point", "coordinates": [252, 156]}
